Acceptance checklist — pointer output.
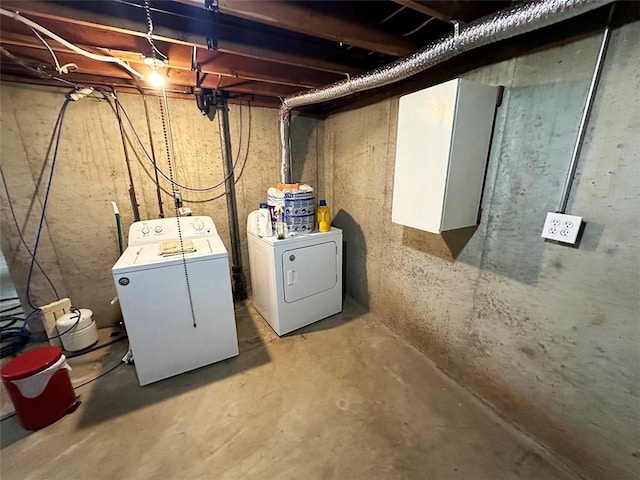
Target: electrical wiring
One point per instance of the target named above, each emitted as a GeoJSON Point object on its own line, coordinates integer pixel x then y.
{"type": "Point", "coordinates": [100, 58]}
{"type": "Point", "coordinates": [60, 69]}
{"type": "Point", "coordinates": [96, 347]}
{"type": "Point", "coordinates": [75, 324]}
{"type": "Point", "coordinates": [21, 236]}
{"type": "Point", "coordinates": [5, 310]}
{"type": "Point", "coordinates": [35, 70]}
{"type": "Point", "coordinates": [108, 96]}
{"type": "Point", "coordinates": [11, 321]}
{"type": "Point", "coordinates": [147, 10]}
{"type": "Point", "coordinates": [58, 134]}
{"type": "Point", "coordinates": [244, 162]}
{"type": "Point", "coordinates": [165, 176]}
{"type": "Point", "coordinates": [14, 339]}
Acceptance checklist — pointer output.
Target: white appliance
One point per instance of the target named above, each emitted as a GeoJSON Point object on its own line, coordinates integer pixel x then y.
{"type": "Point", "coordinates": [443, 139]}
{"type": "Point", "coordinates": [165, 338]}
{"type": "Point", "coordinates": [296, 281]}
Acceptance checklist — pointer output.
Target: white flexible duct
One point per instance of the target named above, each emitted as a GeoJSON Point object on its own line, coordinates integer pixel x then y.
{"type": "Point", "coordinates": [484, 31]}
{"type": "Point", "coordinates": [100, 58]}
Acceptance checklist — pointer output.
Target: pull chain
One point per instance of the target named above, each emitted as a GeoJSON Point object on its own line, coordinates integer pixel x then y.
{"type": "Point", "coordinates": [166, 129]}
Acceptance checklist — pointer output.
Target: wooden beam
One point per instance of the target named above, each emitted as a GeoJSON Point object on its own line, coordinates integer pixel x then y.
{"type": "Point", "coordinates": [422, 8]}
{"type": "Point", "coordinates": [8, 75]}
{"type": "Point", "coordinates": [231, 38]}
{"type": "Point", "coordinates": [180, 57]}
{"type": "Point", "coordinates": [298, 18]}
{"type": "Point", "coordinates": [111, 73]}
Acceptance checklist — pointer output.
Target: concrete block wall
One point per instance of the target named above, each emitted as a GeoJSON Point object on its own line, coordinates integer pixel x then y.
{"type": "Point", "coordinates": [79, 243]}
{"type": "Point", "coordinates": [547, 333]}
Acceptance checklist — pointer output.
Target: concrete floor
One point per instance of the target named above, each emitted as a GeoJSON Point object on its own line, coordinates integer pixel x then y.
{"type": "Point", "coordinates": [341, 399]}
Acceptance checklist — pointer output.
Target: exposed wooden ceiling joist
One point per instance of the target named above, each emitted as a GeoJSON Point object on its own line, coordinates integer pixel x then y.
{"type": "Point", "coordinates": [422, 8]}
{"type": "Point", "coordinates": [65, 18]}
{"type": "Point", "coordinates": [461, 10]}
{"type": "Point", "coordinates": [175, 77]}
{"type": "Point", "coordinates": [253, 49]}
{"type": "Point", "coordinates": [211, 62]}
{"type": "Point", "coordinates": [256, 100]}
{"type": "Point", "coordinates": [297, 18]}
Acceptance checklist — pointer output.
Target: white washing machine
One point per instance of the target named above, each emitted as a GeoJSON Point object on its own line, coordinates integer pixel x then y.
{"type": "Point", "coordinates": [296, 281]}
{"type": "Point", "coordinates": [165, 337]}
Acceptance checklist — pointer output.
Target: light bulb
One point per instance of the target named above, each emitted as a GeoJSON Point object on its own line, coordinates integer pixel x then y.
{"type": "Point", "coordinates": [156, 78]}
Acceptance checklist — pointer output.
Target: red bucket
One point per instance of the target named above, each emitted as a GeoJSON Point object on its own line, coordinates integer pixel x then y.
{"type": "Point", "coordinates": [39, 386]}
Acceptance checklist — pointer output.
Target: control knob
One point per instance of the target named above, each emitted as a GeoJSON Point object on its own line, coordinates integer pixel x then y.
{"type": "Point", "coordinates": [145, 230]}
{"type": "Point", "coordinates": [158, 229]}
{"type": "Point", "coordinates": [198, 225]}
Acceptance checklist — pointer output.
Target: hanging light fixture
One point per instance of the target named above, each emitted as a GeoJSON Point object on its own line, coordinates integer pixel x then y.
{"type": "Point", "coordinates": [155, 78]}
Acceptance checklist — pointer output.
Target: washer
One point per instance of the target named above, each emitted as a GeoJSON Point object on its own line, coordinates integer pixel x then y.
{"type": "Point", "coordinates": [296, 281]}
{"type": "Point", "coordinates": [153, 295]}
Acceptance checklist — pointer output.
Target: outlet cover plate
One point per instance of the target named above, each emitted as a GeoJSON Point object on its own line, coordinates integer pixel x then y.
{"type": "Point", "coordinates": [561, 227]}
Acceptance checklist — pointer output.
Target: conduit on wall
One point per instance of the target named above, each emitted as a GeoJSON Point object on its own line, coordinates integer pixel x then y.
{"type": "Point", "coordinates": [502, 25]}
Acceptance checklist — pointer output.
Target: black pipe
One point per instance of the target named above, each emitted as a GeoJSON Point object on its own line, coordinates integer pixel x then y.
{"type": "Point", "coordinates": [132, 190]}
{"type": "Point", "coordinates": [153, 156]}
{"type": "Point", "coordinates": [239, 284]}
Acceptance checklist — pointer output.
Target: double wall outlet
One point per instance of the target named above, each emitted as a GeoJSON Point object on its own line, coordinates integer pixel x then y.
{"type": "Point", "coordinates": [561, 227]}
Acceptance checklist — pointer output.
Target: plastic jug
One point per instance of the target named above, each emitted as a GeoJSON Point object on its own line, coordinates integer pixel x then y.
{"type": "Point", "coordinates": [264, 228]}
{"type": "Point", "coordinates": [324, 217]}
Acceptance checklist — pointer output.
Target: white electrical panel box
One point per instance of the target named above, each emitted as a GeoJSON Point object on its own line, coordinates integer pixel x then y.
{"type": "Point", "coordinates": [443, 141]}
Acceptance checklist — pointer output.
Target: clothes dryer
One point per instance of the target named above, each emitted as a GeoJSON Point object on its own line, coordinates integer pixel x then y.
{"type": "Point", "coordinates": [296, 281]}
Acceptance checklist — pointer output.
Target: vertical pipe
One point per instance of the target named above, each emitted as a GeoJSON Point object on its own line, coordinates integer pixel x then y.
{"type": "Point", "coordinates": [153, 155]}
{"type": "Point", "coordinates": [239, 284]}
{"type": "Point", "coordinates": [285, 140]}
{"type": "Point", "coordinates": [132, 190]}
{"type": "Point", "coordinates": [586, 112]}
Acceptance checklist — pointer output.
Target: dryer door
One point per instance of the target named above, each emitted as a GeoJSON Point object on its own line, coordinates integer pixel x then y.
{"type": "Point", "coordinates": [309, 270]}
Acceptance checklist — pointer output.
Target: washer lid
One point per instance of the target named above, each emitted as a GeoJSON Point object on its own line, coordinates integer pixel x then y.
{"type": "Point", "coordinates": [30, 363]}
{"type": "Point", "coordinates": [148, 256]}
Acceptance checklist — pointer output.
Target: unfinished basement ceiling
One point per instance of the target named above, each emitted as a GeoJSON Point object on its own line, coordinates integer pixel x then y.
{"type": "Point", "coordinates": [258, 51]}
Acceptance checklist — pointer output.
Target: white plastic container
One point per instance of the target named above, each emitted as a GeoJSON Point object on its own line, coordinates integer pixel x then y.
{"type": "Point", "coordinates": [77, 337]}
{"type": "Point", "coordinates": [300, 211]}
{"type": "Point", "coordinates": [265, 228]}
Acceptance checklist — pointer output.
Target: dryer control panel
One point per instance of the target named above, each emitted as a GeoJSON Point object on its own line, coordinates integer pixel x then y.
{"type": "Point", "coordinates": [166, 229]}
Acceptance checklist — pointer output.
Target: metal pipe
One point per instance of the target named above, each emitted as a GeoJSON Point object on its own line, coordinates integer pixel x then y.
{"type": "Point", "coordinates": [285, 136]}
{"type": "Point", "coordinates": [239, 284]}
{"type": "Point", "coordinates": [132, 190]}
{"type": "Point", "coordinates": [586, 112]}
{"type": "Point", "coordinates": [153, 156]}
{"type": "Point", "coordinates": [507, 23]}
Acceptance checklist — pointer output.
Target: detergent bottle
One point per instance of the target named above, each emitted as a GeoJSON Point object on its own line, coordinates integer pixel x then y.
{"type": "Point", "coordinates": [324, 217]}
{"type": "Point", "coordinates": [264, 221]}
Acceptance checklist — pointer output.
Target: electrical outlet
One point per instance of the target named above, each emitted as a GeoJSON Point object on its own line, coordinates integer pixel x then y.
{"type": "Point", "coordinates": [561, 227]}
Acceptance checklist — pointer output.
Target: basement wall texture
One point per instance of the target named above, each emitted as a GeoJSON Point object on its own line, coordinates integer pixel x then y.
{"type": "Point", "coordinates": [78, 245]}
{"type": "Point", "coordinates": [547, 333]}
